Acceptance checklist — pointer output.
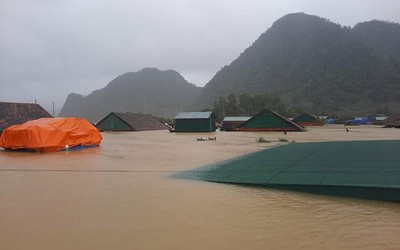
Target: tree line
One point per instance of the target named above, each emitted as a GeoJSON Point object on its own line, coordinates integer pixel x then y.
{"type": "Point", "coordinates": [246, 105]}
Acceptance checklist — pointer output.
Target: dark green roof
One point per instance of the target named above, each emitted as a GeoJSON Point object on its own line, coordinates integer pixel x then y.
{"type": "Point", "coordinates": [195, 122]}
{"type": "Point", "coordinates": [305, 117]}
{"type": "Point", "coordinates": [269, 120]}
{"type": "Point", "coordinates": [363, 169]}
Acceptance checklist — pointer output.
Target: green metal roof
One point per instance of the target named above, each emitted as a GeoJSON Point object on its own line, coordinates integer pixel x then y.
{"type": "Point", "coordinates": [193, 115]}
{"type": "Point", "coordinates": [305, 117]}
{"type": "Point", "coordinates": [362, 169]}
{"type": "Point", "coordinates": [270, 120]}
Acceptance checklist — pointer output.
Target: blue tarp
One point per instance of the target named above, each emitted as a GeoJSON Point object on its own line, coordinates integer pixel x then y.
{"type": "Point", "coordinates": [329, 121]}
{"type": "Point", "coordinates": [359, 121]}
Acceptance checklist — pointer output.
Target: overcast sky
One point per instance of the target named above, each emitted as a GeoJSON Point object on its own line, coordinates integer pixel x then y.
{"type": "Point", "coordinates": [50, 48]}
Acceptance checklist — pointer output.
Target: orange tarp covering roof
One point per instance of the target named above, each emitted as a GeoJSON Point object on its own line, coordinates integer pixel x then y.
{"type": "Point", "coordinates": [50, 134]}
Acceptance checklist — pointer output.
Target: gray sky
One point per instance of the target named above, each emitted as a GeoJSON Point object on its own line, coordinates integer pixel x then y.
{"type": "Point", "coordinates": [50, 48]}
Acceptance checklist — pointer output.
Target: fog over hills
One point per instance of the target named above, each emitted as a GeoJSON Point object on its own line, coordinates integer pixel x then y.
{"type": "Point", "coordinates": [305, 60]}
{"type": "Point", "coordinates": [318, 65]}
{"type": "Point", "coordinates": [160, 93]}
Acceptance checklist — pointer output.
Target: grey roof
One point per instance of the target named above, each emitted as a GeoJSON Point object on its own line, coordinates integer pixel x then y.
{"type": "Point", "coordinates": [193, 115]}
{"type": "Point", "coordinates": [236, 118]}
{"type": "Point", "coordinates": [140, 122]}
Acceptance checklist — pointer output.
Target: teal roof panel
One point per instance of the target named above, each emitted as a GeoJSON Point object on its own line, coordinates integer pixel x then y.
{"type": "Point", "coordinates": [193, 115]}
{"type": "Point", "coordinates": [361, 169]}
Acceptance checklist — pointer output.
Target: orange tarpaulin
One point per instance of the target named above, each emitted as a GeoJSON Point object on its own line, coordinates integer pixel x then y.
{"type": "Point", "coordinates": [50, 134]}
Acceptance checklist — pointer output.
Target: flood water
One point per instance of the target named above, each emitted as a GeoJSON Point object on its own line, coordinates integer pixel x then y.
{"type": "Point", "coordinates": [121, 196]}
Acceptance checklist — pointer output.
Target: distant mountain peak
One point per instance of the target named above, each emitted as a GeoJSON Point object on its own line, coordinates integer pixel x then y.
{"type": "Point", "coordinates": [161, 93]}
{"type": "Point", "coordinates": [318, 65]}
{"type": "Point", "coordinates": [310, 62]}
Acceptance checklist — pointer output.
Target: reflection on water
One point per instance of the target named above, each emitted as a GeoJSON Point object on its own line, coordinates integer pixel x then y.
{"type": "Point", "coordinates": [116, 197]}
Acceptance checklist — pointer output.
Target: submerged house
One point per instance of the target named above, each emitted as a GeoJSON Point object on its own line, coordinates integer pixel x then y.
{"type": "Point", "coordinates": [50, 135]}
{"type": "Point", "coordinates": [392, 122]}
{"type": "Point", "coordinates": [232, 122]}
{"type": "Point", "coordinates": [130, 122]}
{"type": "Point", "coordinates": [268, 120]}
{"type": "Point", "coordinates": [17, 113]}
{"type": "Point", "coordinates": [306, 119]}
{"type": "Point", "coordinates": [195, 122]}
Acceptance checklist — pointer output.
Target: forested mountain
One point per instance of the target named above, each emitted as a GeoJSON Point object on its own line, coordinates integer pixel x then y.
{"type": "Point", "coordinates": [160, 93]}
{"type": "Point", "coordinates": [382, 37]}
{"type": "Point", "coordinates": [302, 62]}
{"type": "Point", "coordinates": [312, 63]}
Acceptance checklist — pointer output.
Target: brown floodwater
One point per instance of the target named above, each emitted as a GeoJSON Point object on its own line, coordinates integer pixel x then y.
{"type": "Point", "coordinates": [122, 195]}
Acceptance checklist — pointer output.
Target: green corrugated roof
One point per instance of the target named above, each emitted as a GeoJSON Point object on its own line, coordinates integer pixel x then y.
{"type": "Point", "coordinates": [270, 120]}
{"type": "Point", "coordinates": [364, 169]}
{"type": "Point", "coordinates": [193, 115]}
{"type": "Point", "coordinates": [305, 117]}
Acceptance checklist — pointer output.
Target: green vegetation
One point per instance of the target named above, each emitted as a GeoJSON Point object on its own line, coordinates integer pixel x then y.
{"type": "Point", "coordinates": [320, 67]}
{"type": "Point", "coordinates": [246, 105]}
{"type": "Point", "coordinates": [302, 63]}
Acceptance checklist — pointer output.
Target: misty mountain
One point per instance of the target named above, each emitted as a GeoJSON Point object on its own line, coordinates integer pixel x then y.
{"type": "Point", "coordinates": [318, 65]}
{"type": "Point", "coordinates": [160, 93]}
{"type": "Point", "coordinates": [304, 61]}
{"type": "Point", "coordinates": [382, 37]}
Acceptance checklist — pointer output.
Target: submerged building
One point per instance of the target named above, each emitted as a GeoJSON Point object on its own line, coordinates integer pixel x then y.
{"type": "Point", "coordinates": [392, 122]}
{"type": "Point", "coordinates": [306, 119]}
{"type": "Point", "coordinates": [233, 122]}
{"type": "Point", "coordinates": [195, 122]}
{"type": "Point", "coordinates": [17, 113]}
{"type": "Point", "coordinates": [129, 122]}
{"type": "Point", "coordinates": [268, 120]}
